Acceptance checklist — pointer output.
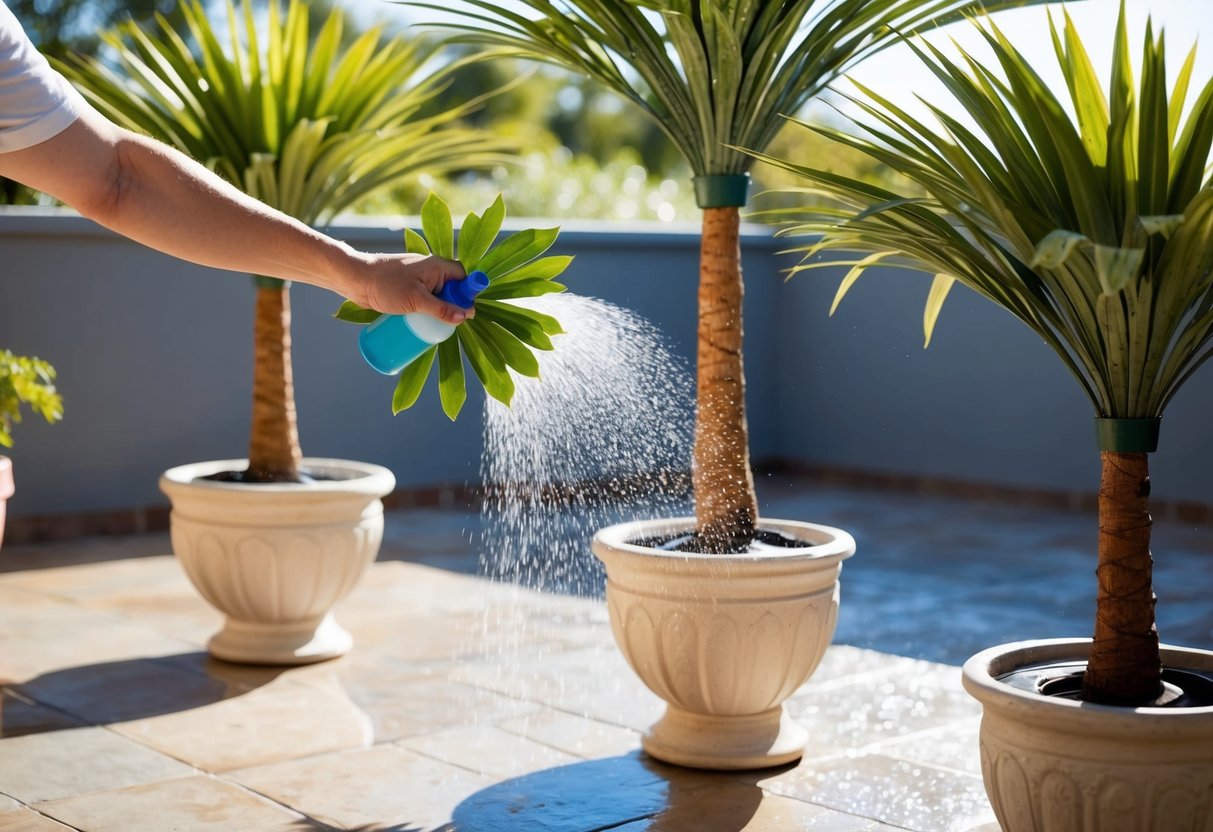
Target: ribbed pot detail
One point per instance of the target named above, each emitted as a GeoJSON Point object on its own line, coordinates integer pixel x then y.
{"type": "Point", "coordinates": [724, 640]}
{"type": "Point", "coordinates": [275, 559]}
{"type": "Point", "coordinates": [1054, 764]}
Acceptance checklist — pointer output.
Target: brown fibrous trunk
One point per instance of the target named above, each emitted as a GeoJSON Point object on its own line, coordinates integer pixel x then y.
{"type": "Point", "coordinates": [274, 453]}
{"type": "Point", "coordinates": [1124, 667]}
{"type": "Point", "coordinates": [726, 507]}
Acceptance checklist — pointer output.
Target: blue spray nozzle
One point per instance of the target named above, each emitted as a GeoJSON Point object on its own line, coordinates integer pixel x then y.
{"type": "Point", "coordinates": [463, 292]}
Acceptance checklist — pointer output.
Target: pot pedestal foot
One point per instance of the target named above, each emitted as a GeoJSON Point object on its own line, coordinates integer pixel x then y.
{"type": "Point", "coordinates": [770, 738]}
{"type": "Point", "coordinates": [246, 642]}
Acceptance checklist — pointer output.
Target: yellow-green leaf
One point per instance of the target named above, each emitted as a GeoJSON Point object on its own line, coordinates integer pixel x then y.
{"type": "Point", "coordinates": [940, 286]}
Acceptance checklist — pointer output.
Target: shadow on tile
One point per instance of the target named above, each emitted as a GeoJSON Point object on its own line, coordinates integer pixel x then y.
{"type": "Point", "coordinates": [598, 794]}
{"type": "Point", "coordinates": [122, 691]}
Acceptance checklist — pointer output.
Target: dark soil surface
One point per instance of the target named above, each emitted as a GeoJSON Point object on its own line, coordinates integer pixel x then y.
{"type": "Point", "coordinates": [1184, 688]}
{"type": "Point", "coordinates": [691, 543]}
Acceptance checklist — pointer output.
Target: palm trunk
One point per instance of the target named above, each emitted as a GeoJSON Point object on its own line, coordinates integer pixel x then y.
{"type": "Point", "coordinates": [274, 454]}
{"type": "Point", "coordinates": [726, 507]}
{"type": "Point", "coordinates": [1124, 667]}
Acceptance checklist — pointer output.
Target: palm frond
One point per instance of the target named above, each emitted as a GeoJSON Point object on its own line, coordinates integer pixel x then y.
{"type": "Point", "coordinates": [1090, 220]}
{"type": "Point", "coordinates": [297, 121]}
{"type": "Point", "coordinates": [714, 75]}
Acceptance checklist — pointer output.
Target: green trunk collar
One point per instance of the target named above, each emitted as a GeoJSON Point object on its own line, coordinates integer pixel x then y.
{"type": "Point", "coordinates": [722, 190]}
{"type": "Point", "coordinates": [1127, 436]}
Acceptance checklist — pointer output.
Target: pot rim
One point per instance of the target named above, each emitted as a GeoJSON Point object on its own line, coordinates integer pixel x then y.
{"type": "Point", "coordinates": [365, 478]}
{"type": "Point", "coordinates": [835, 544]}
{"type": "Point", "coordinates": [979, 676]}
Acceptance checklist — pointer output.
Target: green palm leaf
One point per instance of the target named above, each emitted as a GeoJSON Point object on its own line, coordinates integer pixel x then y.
{"type": "Point", "coordinates": [1089, 219]}
{"type": "Point", "coordinates": [302, 124]}
{"type": "Point", "coordinates": [714, 75]}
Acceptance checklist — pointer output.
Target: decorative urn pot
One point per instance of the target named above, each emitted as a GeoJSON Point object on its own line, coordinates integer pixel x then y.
{"type": "Point", "coordinates": [1052, 762]}
{"type": "Point", "coordinates": [276, 558]}
{"type": "Point", "coordinates": [723, 639]}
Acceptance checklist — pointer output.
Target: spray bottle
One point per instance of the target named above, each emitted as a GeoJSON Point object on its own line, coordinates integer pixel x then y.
{"type": "Point", "coordinates": [394, 341]}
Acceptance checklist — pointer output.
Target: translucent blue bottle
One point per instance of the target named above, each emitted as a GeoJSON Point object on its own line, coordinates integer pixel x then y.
{"type": "Point", "coordinates": [394, 341]}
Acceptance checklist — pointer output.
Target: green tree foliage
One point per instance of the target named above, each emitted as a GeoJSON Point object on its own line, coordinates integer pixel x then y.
{"type": "Point", "coordinates": [26, 381]}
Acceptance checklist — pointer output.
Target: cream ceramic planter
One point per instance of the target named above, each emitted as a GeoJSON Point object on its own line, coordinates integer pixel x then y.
{"type": "Point", "coordinates": [1059, 764]}
{"type": "Point", "coordinates": [723, 639]}
{"type": "Point", "coordinates": [6, 490]}
{"type": "Point", "coordinates": [276, 558]}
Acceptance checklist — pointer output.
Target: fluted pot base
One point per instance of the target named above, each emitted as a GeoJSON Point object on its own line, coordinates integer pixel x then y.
{"type": "Point", "coordinates": [251, 642]}
{"type": "Point", "coordinates": [770, 738]}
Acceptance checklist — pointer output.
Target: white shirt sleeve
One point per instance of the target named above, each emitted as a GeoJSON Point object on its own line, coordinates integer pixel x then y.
{"type": "Point", "coordinates": [36, 102]}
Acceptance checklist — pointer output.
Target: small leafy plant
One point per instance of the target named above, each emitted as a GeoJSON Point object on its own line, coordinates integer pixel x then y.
{"type": "Point", "coordinates": [29, 381]}
{"type": "Point", "coordinates": [503, 335]}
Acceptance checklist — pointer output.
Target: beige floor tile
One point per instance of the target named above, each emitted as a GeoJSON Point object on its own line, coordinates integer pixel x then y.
{"type": "Point", "coordinates": [849, 718]}
{"type": "Point", "coordinates": [395, 587]}
{"type": "Point", "coordinates": [240, 678]}
{"type": "Point", "coordinates": [20, 715]}
{"type": "Point", "coordinates": [735, 807]}
{"type": "Point", "coordinates": [582, 796]}
{"type": "Point", "coordinates": [585, 738]}
{"type": "Point", "coordinates": [75, 638]}
{"type": "Point", "coordinates": [8, 804]}
{"type": "Point", "coordinates": [280, 721]}
{"type": "Point", "coordinates": [408, 706]}
{"type": "Point", "coordinates": [152, 592]}
{"type": "Point", "coordinates": [27, 820]}
{"type": "Point", "coordinates": [78, 761]}
{"type": "Point", "coordinates": [844, 665]}
{"type": "Point", "coordinates": [123, 690]}
{"type": "Point", "coordinates": [896, 792]}
{"type": "Point", "coordinates": [594, 682]}
{"type": "Point", "coordinates": [98, 580]}
{"type": "Point", "coordinates": [954, 747]}
{"type": "Point", "coordinates": [196, 804]}
{"type": "Point", "coordinates": [487, 750]}
{"type": "Point", "coordinates": [19, 605]}
{"type": "Point", "coordinates": [384, 787]}
{"type": "Point", "coordinates": [414, 638]}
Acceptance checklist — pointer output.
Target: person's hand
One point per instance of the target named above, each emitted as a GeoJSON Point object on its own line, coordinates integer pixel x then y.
{"type": "Point", "coordinates": [399, 283]}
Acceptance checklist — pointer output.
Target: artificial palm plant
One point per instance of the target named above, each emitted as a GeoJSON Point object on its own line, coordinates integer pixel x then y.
{"type": "Point", "coordinates": [1093, 224]}
{"type": "Point", "coordinates": [305, 124]}
{"type": "Point", "coordinates": [714, 75]}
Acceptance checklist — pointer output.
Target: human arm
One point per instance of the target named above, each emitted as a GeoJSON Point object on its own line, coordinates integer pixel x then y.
{"type": "Point", "coordinates": [155, 195]}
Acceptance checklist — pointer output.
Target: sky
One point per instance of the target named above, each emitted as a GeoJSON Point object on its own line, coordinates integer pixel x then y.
{"type": "Point", "coordinates": [898, 74]}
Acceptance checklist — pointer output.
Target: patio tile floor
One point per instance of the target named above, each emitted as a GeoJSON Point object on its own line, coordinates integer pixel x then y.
{"type": "Point", "coordinates": [471, 705]}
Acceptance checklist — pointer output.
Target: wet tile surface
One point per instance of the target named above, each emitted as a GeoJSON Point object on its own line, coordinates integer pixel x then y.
{"type": "Point", "coordinates": [471, 705]}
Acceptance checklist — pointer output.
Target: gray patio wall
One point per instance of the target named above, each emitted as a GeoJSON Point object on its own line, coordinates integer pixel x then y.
{"type": "Point", "coordinates": [154, 358]}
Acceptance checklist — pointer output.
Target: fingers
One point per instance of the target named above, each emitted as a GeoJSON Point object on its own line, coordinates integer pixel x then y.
{"type": "Point", "coordinates": [438, 308]}
{"type": "Point", "coordinates": [408, 283]}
